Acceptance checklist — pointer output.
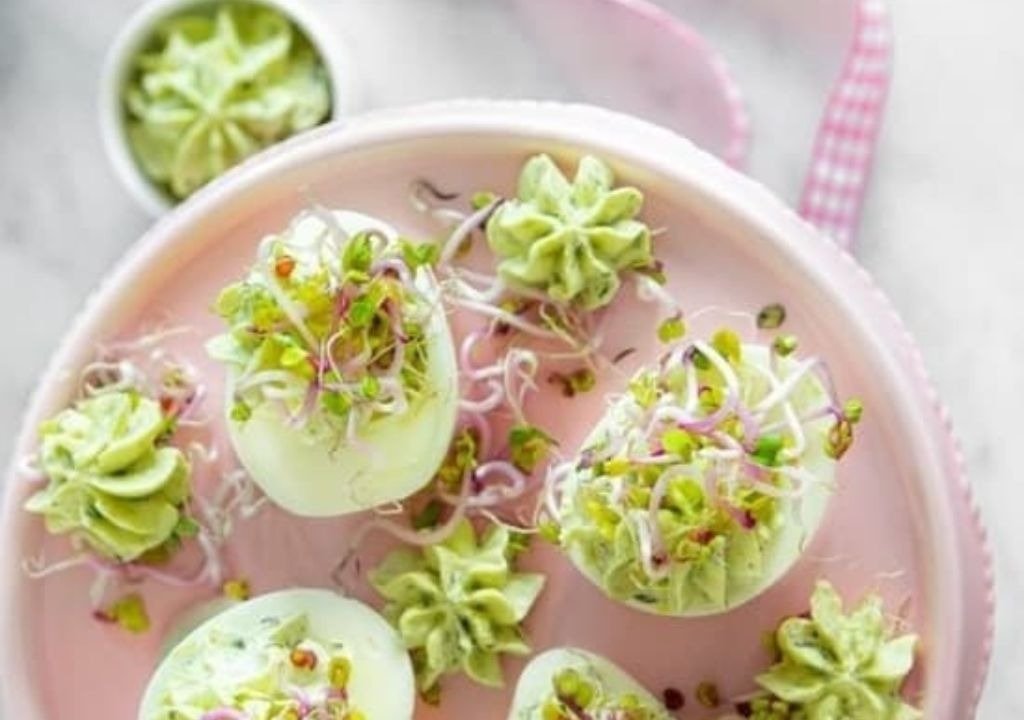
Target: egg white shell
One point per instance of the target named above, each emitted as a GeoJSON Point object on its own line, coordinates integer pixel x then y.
{"type": "Point", "coordinates": [382, 683]}
{"type": "Point", "coordinates": [782, 552]}
{"type": "Point", "coordinates": [395, 456]}
{"type": "Point", "coordinates": [191, 619]}
{"type": "Point", "coordinates": [535, 686]}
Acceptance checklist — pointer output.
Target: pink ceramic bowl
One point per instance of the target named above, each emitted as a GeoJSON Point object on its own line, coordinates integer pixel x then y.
{"type": "Point", "coordinates": [902, 524]}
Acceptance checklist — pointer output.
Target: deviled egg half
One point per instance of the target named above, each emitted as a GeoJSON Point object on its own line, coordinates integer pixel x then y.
{"type": "Point", "coordinates": [572, 684]}
{"type": "Point", "coordinates": [342, 378]}
{"type": "Point", "coordinates": [290, 654]}
{"type": "Point", "coordinates": [703, 482]}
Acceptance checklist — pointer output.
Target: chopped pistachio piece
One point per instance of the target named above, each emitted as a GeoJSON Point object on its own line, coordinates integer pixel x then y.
{"type": "Point", "coordinates": [130, 614]}
{"type": "Point", "coordinates": [771, 316]}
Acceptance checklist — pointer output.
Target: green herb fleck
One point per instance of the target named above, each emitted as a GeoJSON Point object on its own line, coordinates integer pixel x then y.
{"type": "Point", "coordinates": [728, 345]}
{"type": "Point", "coordinates": [186, 527]}
{"type": "Point", "coordinates": [700, 361]}
{"type": "Point", "coordinates": [240, 412]}
{"type": "Point", "coordinates": [293, 356]}
{"type": "Point", "coordinates": [369, 386]}
{"type": "Point", "coordinates": [358, 253]}
{"type": "Point", "coordinates": [644, 389]}
{"type": "Point", "coordinates": [550, 531]}
{"type": "Point", "coordinates": [417, 255]}
{"type": "Point", "coordinates": [336, 403]}
{"type": "Point", "coordinates": [361, 312]}
{"type": "Point", "coordinates": [130, 614]}
{"type": "Point", "coordinates": [767, 449]}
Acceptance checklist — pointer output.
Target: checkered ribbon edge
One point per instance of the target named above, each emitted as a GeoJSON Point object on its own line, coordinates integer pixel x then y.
{"type": "Point", "coordinates": [845, 145]}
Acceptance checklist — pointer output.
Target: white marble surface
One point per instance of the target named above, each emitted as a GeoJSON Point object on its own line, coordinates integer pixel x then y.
{"type": "Point", "coordinates": [938, 232]}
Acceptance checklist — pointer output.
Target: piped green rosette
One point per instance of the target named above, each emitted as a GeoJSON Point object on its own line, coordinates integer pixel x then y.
{"type": "Point", "coordinates": [216, 86]}
{"type": "Point", "coordinates": [458, 605]}
{"type": "Point", "coordinates": [836, 666]}
{"type": "Point", "coordinates": [112, 484]}
{"type": "Point", "coordinates": [570, 240]}
{"type": "Point", "coordinates": [702, 484]}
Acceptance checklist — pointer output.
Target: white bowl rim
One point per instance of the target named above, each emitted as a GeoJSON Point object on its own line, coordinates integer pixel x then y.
{"type": "Point", "coordinates": [138, 28]}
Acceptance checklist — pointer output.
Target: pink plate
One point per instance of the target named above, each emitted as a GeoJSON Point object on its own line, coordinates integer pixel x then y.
{"type": "Point", "coordinates": [902, 524]}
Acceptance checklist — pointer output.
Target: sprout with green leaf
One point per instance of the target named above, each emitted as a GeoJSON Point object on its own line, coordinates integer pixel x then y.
{"type": "Point", "coordinates": [459, 604]}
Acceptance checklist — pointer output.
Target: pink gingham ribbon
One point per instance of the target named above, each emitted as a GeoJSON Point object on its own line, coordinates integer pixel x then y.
{"type": "Point", "coordinates": [844, 149]}
{"type": "Point", "coordinates": [844, 146]}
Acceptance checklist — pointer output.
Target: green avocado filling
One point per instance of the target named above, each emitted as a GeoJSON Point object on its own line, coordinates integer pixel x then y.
{"type": "Point", "coordinates": [579, 694]}
{"type": "Point", "coordinates": [837, 666]}
{"type": "Point", "coordinates": [682, 493]}
{"type": "Point", "coordinates": [277, 671]}
{"type": "Point", "coordinates": [571, 240]}
{"type": "Point", "coordinates": [111, 484]}
{"type": "Point", "coordinates": [458, 605]}
{"type": "Point", "coordinates": [215, 86]}
{"type": "Point", "coordinates": [336, 335]}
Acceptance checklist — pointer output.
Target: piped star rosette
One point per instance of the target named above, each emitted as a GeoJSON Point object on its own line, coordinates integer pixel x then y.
{"type": "Point", "coordinates": [341, 372]}
{"type": "Point", "coordinates": [704, 481]}
{"type": "Point", "coordinates": [125, 472]}
{"type": "Point", "coordinates": [570, 239]}
{"type": "Point", "coordinates": [563, 248]}
{"type": "Point", "coordinates": [114, 484]}
{"type": "Point", "coordinates": [216, 85]}
{"type": "Point", "coordinates": [832, 663]}
{"type": "Point", "coordinates": [459, 604]}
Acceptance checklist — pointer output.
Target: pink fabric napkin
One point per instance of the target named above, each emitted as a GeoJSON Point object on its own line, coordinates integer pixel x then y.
{"type": "Point", "coordinates": [636, 56]}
